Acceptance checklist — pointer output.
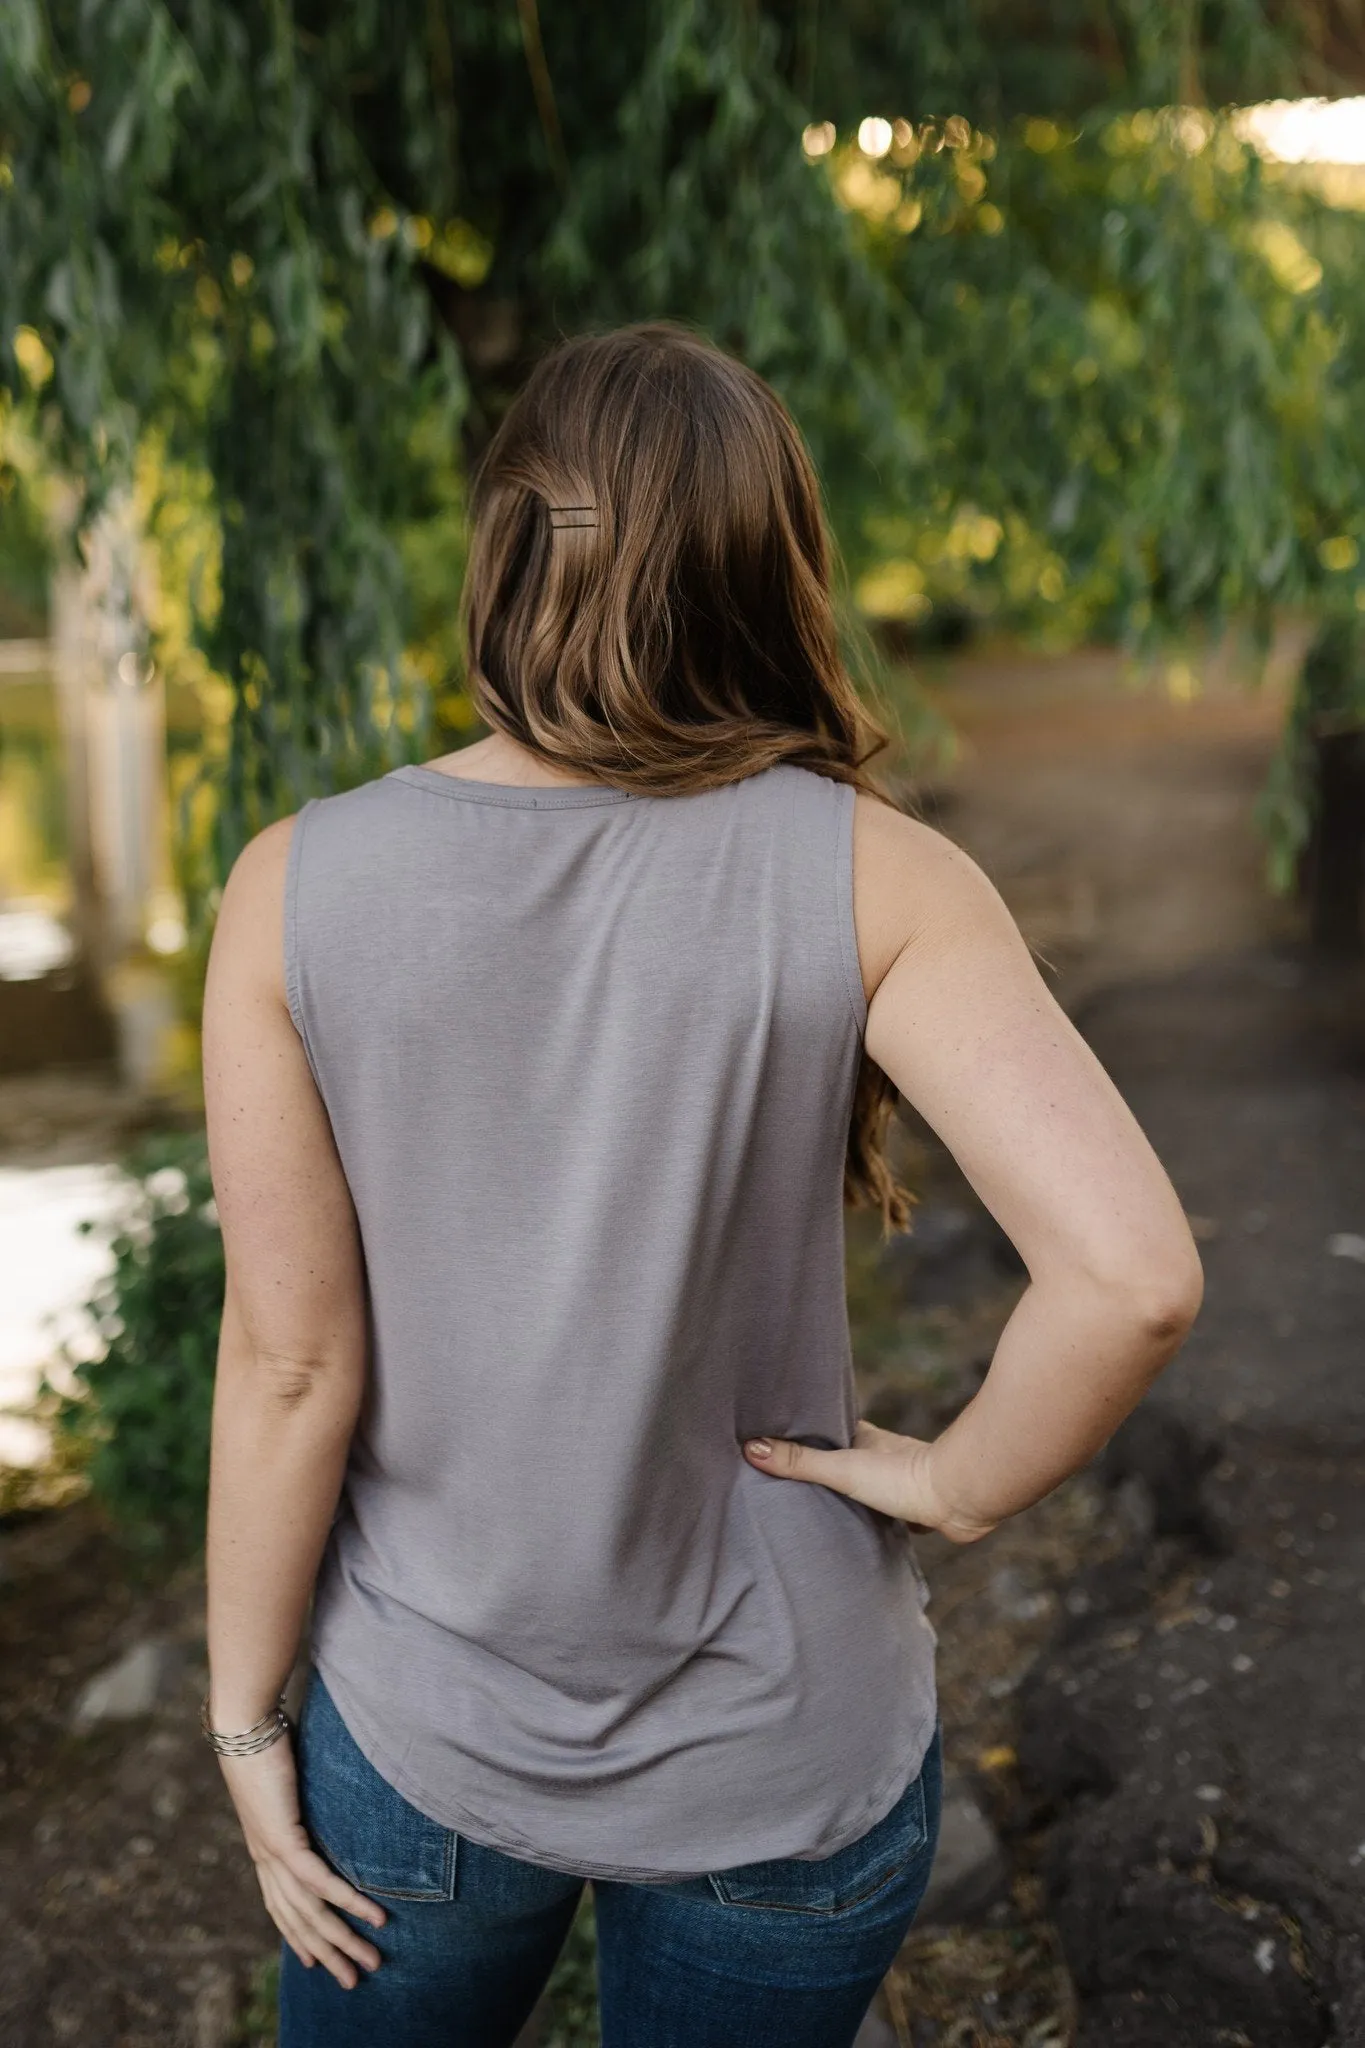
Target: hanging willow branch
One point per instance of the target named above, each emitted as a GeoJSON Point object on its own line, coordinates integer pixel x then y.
{"type": "Point", "coordinates": [1051, 350]}
{"type": "Point", "coordinates": [541, 85]}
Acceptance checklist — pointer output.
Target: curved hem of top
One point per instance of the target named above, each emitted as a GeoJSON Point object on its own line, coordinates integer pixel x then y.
{"type": "Point", "coordinates": [875, 1808]}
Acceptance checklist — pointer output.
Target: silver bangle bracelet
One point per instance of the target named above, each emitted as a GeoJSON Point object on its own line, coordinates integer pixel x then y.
{"type": "Point", "coordinates": [271, 1726]}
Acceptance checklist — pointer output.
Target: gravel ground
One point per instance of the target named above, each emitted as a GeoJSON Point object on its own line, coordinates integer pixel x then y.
{"type": "Point", "coordinates": [130, 1911]}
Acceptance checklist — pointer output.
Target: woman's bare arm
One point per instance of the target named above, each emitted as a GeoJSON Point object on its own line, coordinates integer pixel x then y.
{"type": "Point", "coordinates": [291, 1374]}
{"type": "Point", "coordinates": [962, 1022]}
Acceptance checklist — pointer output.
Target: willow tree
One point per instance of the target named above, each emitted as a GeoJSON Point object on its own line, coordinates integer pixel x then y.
{"type": "Point", "coordinates": [1058, 354]}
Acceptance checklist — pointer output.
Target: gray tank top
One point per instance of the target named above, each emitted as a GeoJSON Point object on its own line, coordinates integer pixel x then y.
{"type": "Point", "coordinates": [589, 1059]}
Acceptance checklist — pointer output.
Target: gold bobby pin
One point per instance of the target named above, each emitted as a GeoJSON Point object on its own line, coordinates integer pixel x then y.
{"type": "Point", "coordinates": [573, 515]}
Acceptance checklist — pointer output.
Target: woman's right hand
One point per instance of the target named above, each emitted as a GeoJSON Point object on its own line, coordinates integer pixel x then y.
{"type": "Point", "coordinates": [298, 1887]}
{"type": "Point", "coordinates": [882, 1469]}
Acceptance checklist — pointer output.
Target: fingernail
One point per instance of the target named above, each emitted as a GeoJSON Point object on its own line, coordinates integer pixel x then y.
{"type": "Point", "coordinates": [759, 1447]}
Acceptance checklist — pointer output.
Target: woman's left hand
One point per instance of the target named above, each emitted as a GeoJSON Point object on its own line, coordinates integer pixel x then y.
{"type": "Point", "coordinates": [298, 1887]}
{"type": "Point", "coordinates": [882, 1469]}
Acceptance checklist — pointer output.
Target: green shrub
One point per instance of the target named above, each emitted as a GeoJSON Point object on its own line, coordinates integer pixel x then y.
{"type": "Point", "coordinates": [570, 2016]}
{"type": "Point", "coordinates": [139, 1413]}
{"type": "Point", "coordinates": [255, 2022]}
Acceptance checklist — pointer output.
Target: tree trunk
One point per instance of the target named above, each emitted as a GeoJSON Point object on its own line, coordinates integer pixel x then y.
{"type": "Point", "coordinates": [1334, 863]}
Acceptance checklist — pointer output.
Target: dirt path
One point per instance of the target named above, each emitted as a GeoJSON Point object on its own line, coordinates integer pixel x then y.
{"type": "Point", "coordinates": [1192, 1739]}
{"type": "Point", "coordinates": [1116, 820]}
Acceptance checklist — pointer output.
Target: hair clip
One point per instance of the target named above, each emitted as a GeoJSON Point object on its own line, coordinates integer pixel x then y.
{"type": "Point", "coordinates": [573, 515]}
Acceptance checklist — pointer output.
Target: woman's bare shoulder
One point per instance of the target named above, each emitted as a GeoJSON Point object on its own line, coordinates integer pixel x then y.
{"type": "Point", "coordinates": [248, 932]}
{"type": "Point", "coordinates": [911, 883]}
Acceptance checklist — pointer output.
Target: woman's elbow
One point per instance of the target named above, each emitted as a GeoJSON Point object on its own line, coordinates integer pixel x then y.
{"type": "Point", "coordinates": [1166, 1296]}
{"type": "Point", "coordinates": [1155, 1296]}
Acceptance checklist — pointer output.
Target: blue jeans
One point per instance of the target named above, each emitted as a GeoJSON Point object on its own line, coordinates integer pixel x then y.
{"type": "Point", "coordinates": [787, 1952]}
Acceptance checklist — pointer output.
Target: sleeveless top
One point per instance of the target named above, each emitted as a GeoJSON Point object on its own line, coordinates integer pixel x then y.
{"type": "Point", "coordinates": [589, 1060]}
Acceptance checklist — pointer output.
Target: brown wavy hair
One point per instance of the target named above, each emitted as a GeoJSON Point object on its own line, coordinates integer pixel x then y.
{"type": "Point", "coordinates": [648, 599]}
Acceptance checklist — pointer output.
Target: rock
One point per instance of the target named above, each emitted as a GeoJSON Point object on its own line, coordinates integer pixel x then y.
{"type": "Point", "coordinates": [1169, 1943]}
{"type": "Point", "coordinates": [213, 2016]}
{"type": "Point", "coordinates": [1200, 1784]}
{"type": "Point", "coordinates": [1017, 1595]}
{"type": "Point", "coordinates": [876, 2031]}
{"type": "Point", "coordinates": [168, 1799]}
{"type": "Point", "coordinates": [1156, 1453]}
{"type": "Point", "coordinates": [128, 1688]}
{"type": "Point", "coordinates": [970, 1871]}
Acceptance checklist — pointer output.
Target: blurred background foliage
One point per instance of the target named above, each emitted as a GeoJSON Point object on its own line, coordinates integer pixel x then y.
{"type": "Point", "coordinates": [132, 1412]}
{"type": "Point", "coordinates": [1072, 357]}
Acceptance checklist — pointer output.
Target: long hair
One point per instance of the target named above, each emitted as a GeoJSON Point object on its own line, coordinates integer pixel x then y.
{"type": "Point", "coordinates": [648, 599]}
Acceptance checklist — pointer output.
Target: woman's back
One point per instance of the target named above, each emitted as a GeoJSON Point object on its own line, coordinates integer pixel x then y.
{"type": "Point", "coordinates": [532, 1109]}
{"type": "Point", "coordinates": [589, 1060]}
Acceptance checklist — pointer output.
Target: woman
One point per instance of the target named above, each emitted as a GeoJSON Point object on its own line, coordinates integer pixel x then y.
{"type": "Point", "coordinates": [536, 1078]}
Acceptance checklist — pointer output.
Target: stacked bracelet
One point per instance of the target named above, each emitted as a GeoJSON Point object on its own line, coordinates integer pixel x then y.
{"type": "Point", "coordinates": [260, 1735]}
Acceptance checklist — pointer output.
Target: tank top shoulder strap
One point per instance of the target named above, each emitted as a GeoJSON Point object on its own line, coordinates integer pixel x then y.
{"type": "Point", "coordinates": [818, 816]}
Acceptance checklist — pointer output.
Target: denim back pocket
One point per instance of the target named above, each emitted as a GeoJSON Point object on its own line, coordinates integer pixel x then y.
{"type": "Point", "coordinates": [834, 1884]}
{"type": "Point", "coordinates": [365, 1829]}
